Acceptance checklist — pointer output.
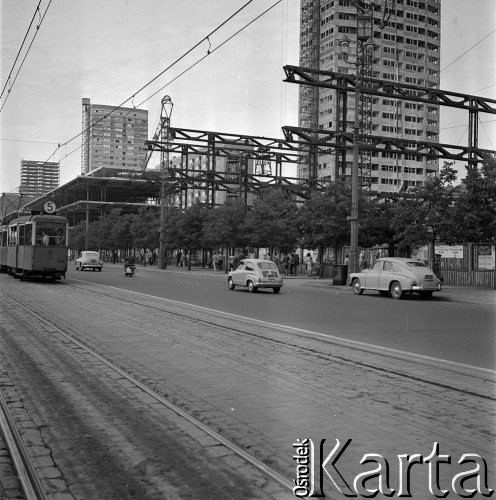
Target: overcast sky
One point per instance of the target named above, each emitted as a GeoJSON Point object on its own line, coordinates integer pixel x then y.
{"type": "Point", "coordinates": [106, 50]}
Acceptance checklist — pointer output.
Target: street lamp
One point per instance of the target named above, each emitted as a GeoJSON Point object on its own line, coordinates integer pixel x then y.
{"type": "Point", "coordinates": [165, 115]}
{"type": "Point", "coordinates": [344, 47]}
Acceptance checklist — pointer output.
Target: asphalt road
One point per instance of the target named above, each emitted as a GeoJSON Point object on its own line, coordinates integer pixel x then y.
{"type": "Point", "coordinates": [439, 328]}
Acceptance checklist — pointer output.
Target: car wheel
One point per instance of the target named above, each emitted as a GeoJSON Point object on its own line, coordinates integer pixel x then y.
{"type": "Point", "coordinates": [425, 295]}
{"type": "Point", "coordinates": [357, 289]}
{"type": "Point", "coordinates": [396, 290]}
{"type": "Point", "coordinates": [251, 287]}
{"type": "Point", "coordinates": [230, 284]}
{"type": "Point", "coordinates": [276, 289]}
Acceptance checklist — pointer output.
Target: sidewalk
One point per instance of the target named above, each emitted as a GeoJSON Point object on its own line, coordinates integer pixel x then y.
{"type": "Point", "coordinates": [483, 296]}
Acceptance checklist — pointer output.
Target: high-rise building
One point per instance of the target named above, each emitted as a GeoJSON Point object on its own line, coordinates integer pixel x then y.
{"type": "Point", "coordinates": [38, 177]}
{"type": "Point", "coordinates": [406, 49]}
{"type": "Point", "coordinates": [113, 137]}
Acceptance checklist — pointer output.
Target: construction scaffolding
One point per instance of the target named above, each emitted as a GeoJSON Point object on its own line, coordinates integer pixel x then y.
{"type": "Point", "coordinates": [309, 97]}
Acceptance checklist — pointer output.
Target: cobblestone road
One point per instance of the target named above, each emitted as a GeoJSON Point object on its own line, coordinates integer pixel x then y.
{"type": "Point", "coordinates": [261, 387]}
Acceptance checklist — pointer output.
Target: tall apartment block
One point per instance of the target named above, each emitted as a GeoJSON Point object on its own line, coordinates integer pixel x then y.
{"type": "Point", "coordinates": [406, 35]}
{"type": "Point", "coordinates": [113, 137]}
{"type": "Point", "coordinates": [38, 177]}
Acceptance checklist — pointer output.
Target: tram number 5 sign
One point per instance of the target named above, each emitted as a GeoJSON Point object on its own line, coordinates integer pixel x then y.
{"type": "Point", "coordinates": [49, 207]}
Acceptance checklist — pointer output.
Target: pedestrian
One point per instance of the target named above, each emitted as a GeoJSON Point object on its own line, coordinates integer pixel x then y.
{"type": "Point", "coordinates": [346, 260]}
{"type": "Point", "coordinates": [275, 260]}
{"type": "Point", "coordinates": [284, 264]}
{"type": "Point", "coordinates": [215, 260]}
{"type": "Point", "coordinates": [220, 260]}
{"type": "Point", "coordinates": [309, 264]}
{"type": "Point", "coordinates": [296, 262]}
{"type": "Point", "coordinates": [361, 260]}
{"type": "Point", "coordinates": [178, 258]}
{"type": "Point", "coordinates": [291, 264]}
{"type": "Point", "coordinates": [437, 266]}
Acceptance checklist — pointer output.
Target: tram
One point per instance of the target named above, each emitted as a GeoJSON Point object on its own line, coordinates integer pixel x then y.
{"type": "Point", "coordinates": [35, 246]}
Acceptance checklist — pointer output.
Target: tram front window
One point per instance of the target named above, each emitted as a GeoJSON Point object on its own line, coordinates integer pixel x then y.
{"type": "Point", "coordinates": [50, 234]}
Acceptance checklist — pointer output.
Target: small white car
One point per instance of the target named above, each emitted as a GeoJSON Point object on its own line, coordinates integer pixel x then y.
{"type": "Point", "coordinates": [255, 274]}
{"type": "Point", "coordinates": [89, 260]}
{"type": "Point", "coordinates": [396, 276]}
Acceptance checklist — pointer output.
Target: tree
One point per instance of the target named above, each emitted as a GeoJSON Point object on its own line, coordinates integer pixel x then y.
{"type": "Point", "coordinates": [224, 225]}
{"type": "Point", "coordinates": [322, 221]}
{"type": "Point", "coordinates": [475, 208]}
{"type": "Point", "coordinates": [145, 228]}
{"type": "Point", "coordinates": [375, 222]}
{"type": "Point", "coordinates": [426, 214]}
{"type": "Point", "coordinates": [77, 236]}
{"type": "Point", "coordinates": [271, 221]}
{"type": "Point", "coordinates": [184, 229]}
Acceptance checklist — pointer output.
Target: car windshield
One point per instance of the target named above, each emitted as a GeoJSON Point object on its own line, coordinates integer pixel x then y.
{"type": "Point", "coordinates": [91, 255]}
{"type": "Point", "coordinates": [415, 263]}
{"type": "Point", "coordinates": [265, 266]}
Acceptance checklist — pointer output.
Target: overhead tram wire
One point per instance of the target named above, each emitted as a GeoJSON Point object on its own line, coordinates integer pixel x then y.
{"type": "Point", "coordinates": [210, 51]}
{"type": "Point", "coordinates": [205, 38]}
{"type": "Point", "coordinates": [25, 55]}
{"type": "Point", "coordinates": [468, 50]}
{"type": "Point", "coordinates": [488, 136]}
{"type": "Point", "coordinates": [20, 48]}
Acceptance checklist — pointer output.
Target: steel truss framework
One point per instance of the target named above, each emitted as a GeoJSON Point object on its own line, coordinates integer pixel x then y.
{"type": "Point", "coordinates": [385, 88]}
{"type": "Point", "coordinates": [131, 190]}
{"type": "Point", "coordinates": [298, 143]}
{"type": "Point", "coordinates": [235, 179]}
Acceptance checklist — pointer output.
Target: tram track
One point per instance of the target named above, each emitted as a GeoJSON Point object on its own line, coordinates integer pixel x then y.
{"type": "Point", "coordinates": [21, 460]}
{"type": "Point", "coordinates": [31, 483]}
{"type": "Point", "coordinates": [301, 350]}
{"type": "Point", "coordinates": [322, 340]}
{"type": "Point", "coordinates": [293, 341]}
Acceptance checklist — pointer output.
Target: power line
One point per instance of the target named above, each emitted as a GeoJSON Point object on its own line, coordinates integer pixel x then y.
{"type": "Point", "coordinates": [206, 38]}
{"type": "Point", "coordinates": [33, 142]}
{"type": "Point", "coordinates": [37, 10]}
{"type": "Point", "coordinates": [468, 50]}
{"type": "Point", "coordinates": [460, 126]}
{"type": "Point", "coordinates": [489, 138]}
{"type": "Point", "coordinates": [25, 55]}
{"type": "Point", "coordinates": [483, 88]}
{"type": "Point", "coordinates": [209, 52]}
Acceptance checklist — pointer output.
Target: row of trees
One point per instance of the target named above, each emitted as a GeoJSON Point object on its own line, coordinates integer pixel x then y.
{"type": "Point", "coordinates": [437, 211]}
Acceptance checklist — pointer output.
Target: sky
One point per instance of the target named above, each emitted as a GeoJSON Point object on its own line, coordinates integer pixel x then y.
{"type": "Point", "coordinates": [107, 50]}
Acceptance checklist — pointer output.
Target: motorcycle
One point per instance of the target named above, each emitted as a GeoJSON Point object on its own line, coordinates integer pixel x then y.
{"type": "Point", "coordinates": [130, 270]}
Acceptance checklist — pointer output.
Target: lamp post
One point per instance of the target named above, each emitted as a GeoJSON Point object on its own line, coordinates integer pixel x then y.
{"type": "Point", "coordinates": [344, 46]}
{"type": "Point", "coordinates": [165, 115]}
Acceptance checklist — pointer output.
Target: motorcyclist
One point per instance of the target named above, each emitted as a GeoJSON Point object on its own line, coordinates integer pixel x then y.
{"type": "Point", "coordinates": [129, 261]}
